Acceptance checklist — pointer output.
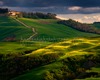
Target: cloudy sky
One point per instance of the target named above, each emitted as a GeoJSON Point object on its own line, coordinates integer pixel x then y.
{"type": "Point", "coordinates": [81, 10]}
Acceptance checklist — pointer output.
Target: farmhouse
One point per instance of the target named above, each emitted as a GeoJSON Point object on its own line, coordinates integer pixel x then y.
{"type": "Point", "coordinates": [14, 13]}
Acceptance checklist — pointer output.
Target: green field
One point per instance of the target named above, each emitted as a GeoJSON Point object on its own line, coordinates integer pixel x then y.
{"type": "Point", "coordinates": [9, 27]}
{"type": "Point", "coordinates": [48, 28]}
{"type": "Point", "coordinates": [21, 47]}
{"type": "Point", "coordinates": [67, 48]}
{"type": "Point", "coordinates": [46, 57]}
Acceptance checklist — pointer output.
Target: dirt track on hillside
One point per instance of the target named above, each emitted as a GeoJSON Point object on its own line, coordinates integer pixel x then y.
{"type": "Point", "coordinates": [33, 29]}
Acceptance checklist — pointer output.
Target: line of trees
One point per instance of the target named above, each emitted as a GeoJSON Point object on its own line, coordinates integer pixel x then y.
{"type": "Point", "coordinates": [38, 15]}
{"type": "Point", "coordinates": [3, 10]}
{"type": "Point", "coordinates": [75, 68]}
{"type": "Point", "coordinates": [80, 26]}
{"type": "Point", "coordinates": [96, 23]}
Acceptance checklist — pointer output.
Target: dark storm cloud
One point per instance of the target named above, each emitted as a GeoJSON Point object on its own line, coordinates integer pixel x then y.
{"type": "Point", "coordinates": [34, 3]}
{"type": "Point", "coordinates": [55, 6]}
{"type": "Point", "coordinates": [42, 3]}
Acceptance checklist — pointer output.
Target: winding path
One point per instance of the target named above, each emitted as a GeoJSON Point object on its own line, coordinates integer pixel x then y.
{"type": "Point", "coordinates": [33, 29]}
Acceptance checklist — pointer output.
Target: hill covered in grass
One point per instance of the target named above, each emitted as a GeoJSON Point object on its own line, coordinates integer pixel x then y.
{"type": "Point", "coordinates": [70, 59]}
{"type": "Point", "coordinates": [9, 28]}
{"type": "Point", "coordinates": [80, 26]}
{"type": "Point", "coordinates": [76, 53]}
{"type": "Point", "coordinates": [46, 29]}
{"type": "Point", "coordinates": [49, 28]}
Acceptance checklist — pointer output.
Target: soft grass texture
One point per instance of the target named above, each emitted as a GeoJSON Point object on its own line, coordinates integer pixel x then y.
{"type": "Point", "coordinates": [9, 27]}
{"type": "Point", "coordinates": [48, 28]}
{"type": "Point", "coordinates": [84, 45]}
{"type": "Point", "coordinates": [20, 47]}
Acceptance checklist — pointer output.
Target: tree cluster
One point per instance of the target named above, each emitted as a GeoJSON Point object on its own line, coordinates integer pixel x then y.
{"type": "Point", "coordinates": [74, 67]}
{"type": "Point", "coordinates": [39, 15]}
{"type": "Point", "coordinates": [14, 65]}
{"type": "Point", "coordinates": [96, 23]}
{"type": "Point", "coordinates": [80, 26]}
{"type": "Point", "coordinates": [3, 10]}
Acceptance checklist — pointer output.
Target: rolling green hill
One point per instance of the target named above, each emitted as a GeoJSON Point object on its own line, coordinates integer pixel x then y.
{"type": "Point", "coordinates": [45, 28]}
{"type": "Point", "coordinates": [80, 50]}
{"type": "Point", "coordinates": [28, 60]}
{"type": "Point", "coordinates": [10, 28]}
{"type": "Point", "coordinates": [49, 28]}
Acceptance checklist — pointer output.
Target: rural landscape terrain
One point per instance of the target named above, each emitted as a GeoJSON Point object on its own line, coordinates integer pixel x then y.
{"type": "Point", "coordinates": [39, 46]}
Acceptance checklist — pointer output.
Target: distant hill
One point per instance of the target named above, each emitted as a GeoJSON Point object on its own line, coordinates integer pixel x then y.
{"type": "Point", "coordinates": [80, 26]}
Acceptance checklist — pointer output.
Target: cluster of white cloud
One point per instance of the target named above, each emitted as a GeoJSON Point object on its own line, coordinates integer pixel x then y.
{"type": "Point", "coordinates": [84, 9]}
{"type": "Point", "coordinates": [84, 18]}
{"type": "Point", "coordinates": [75, 8]}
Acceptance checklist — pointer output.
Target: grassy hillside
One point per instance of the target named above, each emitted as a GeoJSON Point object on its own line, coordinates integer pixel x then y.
{"type": "Point", "coordinates": [48, 28]}
{"type": "Point", "coordinates": [28, 60]}
{"type": "Point", "coordinates": [78, 49]}
{"type": "Point", "coordinates": [9, 27]}
{"type": "Point", "coordinates": [21, 48]}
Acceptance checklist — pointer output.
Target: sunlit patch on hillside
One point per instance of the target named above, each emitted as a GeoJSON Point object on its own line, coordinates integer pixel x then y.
{"type": "Point", "coordinates": [77, 46]}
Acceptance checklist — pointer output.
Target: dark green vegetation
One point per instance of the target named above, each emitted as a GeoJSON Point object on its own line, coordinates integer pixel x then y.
{"type": "Point", "coordinates": [38, 15]}
{"type": "Point", "coordinates": [41, 59]}
{"type": "Point", "coordinates": [11, 30]}
{"type": "Point", "coordinates": [80, 26]}
{"type": "Point", "coordinates": [3, 10]}
{"type": "Point", "coordinates": [64, 64]}
{"type": "Point", "coordinates": [97, 24]}
{"type": "Point", "coordinates": [58, 61]}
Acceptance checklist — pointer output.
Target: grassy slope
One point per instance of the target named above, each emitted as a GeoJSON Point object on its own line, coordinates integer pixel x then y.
{"type": "Point", "coordinates": [9, 27]}
{"type": "Point", "coordinates": [46, 28]}
{"type": "Point", "coordinates": [49, 28]}
{"type": "Point", "coordinates": [20, 47]}
{"type": "Point", "coordinates": [80, 46]}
